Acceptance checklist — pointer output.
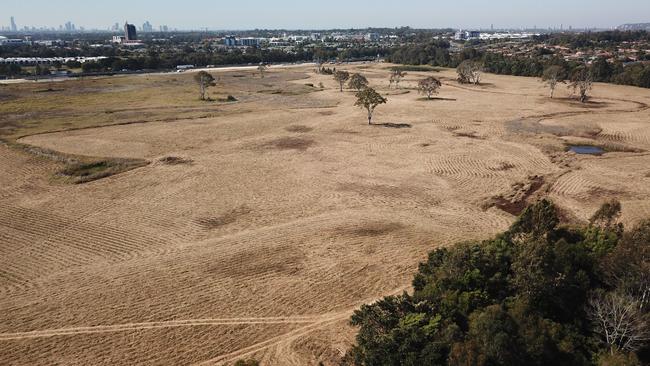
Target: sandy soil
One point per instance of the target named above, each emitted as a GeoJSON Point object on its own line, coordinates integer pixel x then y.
{"type": "Point", "coordinates": [288, 212]}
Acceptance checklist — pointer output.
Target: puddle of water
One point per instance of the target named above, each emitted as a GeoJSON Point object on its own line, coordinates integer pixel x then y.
{"type": "Point", "coordinates": [586, 150]}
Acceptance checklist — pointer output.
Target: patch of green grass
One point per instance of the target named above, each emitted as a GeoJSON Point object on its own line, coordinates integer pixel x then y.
{"type": "Point", "coordinates": [289, 90]}
{"type": "Point", "coordinates": [79, 169]}
{"type": "Point", "coordinates": [415, 68]}
{"type": "Point", "coordinates": [84, 172]}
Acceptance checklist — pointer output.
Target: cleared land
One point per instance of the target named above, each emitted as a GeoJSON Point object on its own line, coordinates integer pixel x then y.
{"type": "Point", "coordinates": [254, 228]}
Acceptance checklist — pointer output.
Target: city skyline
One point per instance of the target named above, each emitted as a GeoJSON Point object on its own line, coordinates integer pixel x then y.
{"type": "Point", "coordinates": [286, 14]}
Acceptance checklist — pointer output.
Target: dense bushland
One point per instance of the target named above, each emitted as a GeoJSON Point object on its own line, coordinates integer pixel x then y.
{"type": "Point", "coordinates": [538, 294]}
{"type": "Point", "coordinates": [438, 54]}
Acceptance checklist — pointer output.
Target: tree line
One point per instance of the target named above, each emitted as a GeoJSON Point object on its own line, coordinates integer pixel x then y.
{"type": "Point", "coordinates": [540, 293]}
{"type": "Point", "coordinates": [435, 54]}
{"type": "Point", "coordinates": [164, 58]}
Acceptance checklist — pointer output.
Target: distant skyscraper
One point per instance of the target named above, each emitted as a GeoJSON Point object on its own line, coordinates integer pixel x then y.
{"type": "Point", "coordinates": [70, 27]}
{"type": "Point", "coordinates": [147, 27]}
{"type": "Point", "coordinates": [130, 33]}
{"type": "Point", "coordinates": [14, 28]}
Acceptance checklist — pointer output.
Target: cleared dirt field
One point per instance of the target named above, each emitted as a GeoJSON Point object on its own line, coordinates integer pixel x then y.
{"type": "Point", "coordinates": [258, 226]}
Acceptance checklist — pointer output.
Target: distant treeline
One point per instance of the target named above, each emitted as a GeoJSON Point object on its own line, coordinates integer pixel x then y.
{"type": "Point", "coordinates": [593, 39]}
{"type": "Point", "coordinates": [438, 54]}
{"type": "Point", "coordinates": [167, 59]}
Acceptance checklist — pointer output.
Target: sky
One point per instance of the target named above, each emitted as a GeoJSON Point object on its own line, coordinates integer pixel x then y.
{"type": "Point", "coordinates": [309, 14]}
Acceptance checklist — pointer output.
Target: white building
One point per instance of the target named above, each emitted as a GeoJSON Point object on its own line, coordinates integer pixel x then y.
{"type": "Point", "coordinates": [249, 42]}
{"type": "Point", "coordinates": [372, 37]}
{"type": "Point", "coordinates": [467, 35]}
{"type": "Point", "coordinates": [4, 41]}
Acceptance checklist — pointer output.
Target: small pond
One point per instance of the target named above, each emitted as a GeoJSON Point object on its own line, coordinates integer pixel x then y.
{"type": "Point", "coordinates": [586, 149]}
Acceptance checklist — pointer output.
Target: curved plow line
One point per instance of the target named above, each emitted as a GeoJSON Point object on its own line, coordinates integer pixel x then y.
{"type": "Point", "coordinates": [152, 325]}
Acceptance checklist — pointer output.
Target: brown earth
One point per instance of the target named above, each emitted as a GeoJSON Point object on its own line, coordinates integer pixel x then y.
{"type": "Point", "coordinates": [260, 225]}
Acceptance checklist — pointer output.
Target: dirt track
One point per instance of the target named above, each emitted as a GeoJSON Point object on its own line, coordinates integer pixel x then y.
{"type": "Point", "coordinates": [287, 213]}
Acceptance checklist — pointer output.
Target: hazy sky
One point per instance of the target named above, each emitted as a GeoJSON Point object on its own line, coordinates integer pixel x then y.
{"type": "Point", "coordinates": [307, 14]}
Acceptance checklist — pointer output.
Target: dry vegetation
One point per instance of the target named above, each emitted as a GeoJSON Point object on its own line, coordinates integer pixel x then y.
{"type": "Point", "coordinates": [262, 223]}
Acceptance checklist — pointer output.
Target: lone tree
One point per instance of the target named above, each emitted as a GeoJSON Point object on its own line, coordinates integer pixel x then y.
{"type": "Point", "coordinates": [429, 86]}
{"type": "Point", "coordinates": [262, 69]}
{"type": "Point", "coordinates": [395, 77]}
{"type": "Point", "coordinates": [205, 80]}
{"type": "Point", "coordinates": [341, 77]}
{"type": "Point", "coordinates": [369, 99]}
{"type": "Point", "coordinates": [582, 81]}
{"type": "Point", "coordinates": [358, 82]}
{"type": "Point", "coordinates": [553, 75]}
{"type": "Point", "coordinates": [469, 72]}
{"type": "Point", "coordinates": [319, 64]}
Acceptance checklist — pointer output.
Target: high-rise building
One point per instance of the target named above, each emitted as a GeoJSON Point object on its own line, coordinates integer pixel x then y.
{"type": "Point", "coordinates": [14, 28]}
{"type": "Point", "coordinates": [130, 33]}
{"type": "Point", "coordinates": [147, 27]}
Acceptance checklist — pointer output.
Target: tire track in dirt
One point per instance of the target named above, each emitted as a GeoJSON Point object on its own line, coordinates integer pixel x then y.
{"type": "Point", "coordinates": [153, 325]}
{"type": "Point", "coordinates": [291, 336]}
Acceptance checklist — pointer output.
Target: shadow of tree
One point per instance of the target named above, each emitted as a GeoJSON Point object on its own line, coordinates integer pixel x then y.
{"type": "Point", "coordinates": [393, 125]}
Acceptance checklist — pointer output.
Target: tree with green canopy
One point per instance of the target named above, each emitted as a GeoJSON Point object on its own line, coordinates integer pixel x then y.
{"type": "Point", "coordinates": [358, 82]}
{"type": "Point", "coordinates": [341, 77]}
{"type": "Point", "coordinates": [429, 86]}
{"type": "Point", "coordinates": [369, 99]}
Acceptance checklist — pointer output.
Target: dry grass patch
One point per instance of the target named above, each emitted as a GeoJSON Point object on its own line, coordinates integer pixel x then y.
{"type": "Point", "coordinates": [533, 126]}
{"type": "Point", "coordinates": [373, 229]}
{"type": "Point", "coordinates": [414, 68]}
{"type": "Point", "coordinates": [290, 90]}
{"type": "Point", "coordinates": [299, 129]}
{"type": "Point", "coordinates": [175, 160]}
{"type": "Point", "coordinates": [227, 218]}
{"type": "Point", "coordinates": [575, 102]}
{"type": "Point", "coordinates": [468, 134]}
{"type": "Point", "coordinates": [291, 143]}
